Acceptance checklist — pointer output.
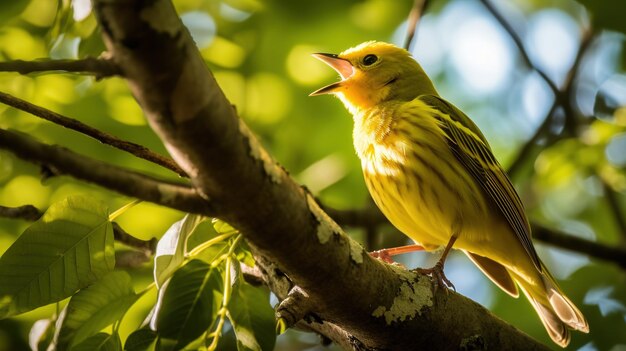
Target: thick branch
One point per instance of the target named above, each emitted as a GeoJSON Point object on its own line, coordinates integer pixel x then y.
{"type": "Point", "coordinates": [189, 112]}
{"type": "Point", "coordinates": [64, 161]}
{"type": "Point", "coordinates": [105, 138]}
{"type": "Point", "coordinates": [95, 66]}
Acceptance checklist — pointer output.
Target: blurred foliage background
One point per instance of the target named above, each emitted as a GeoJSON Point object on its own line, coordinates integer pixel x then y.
{"type": "Point", "coordinates": [259, 51]}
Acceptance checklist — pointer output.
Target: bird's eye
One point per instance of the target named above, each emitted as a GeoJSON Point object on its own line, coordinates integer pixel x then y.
{"type": "Point", "coordinates": [369, 60]}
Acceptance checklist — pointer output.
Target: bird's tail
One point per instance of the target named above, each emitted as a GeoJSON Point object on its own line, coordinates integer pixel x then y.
{"type": "Point", "coordinates": [556, 311]}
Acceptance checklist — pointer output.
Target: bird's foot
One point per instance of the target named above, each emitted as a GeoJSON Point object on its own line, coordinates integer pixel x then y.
{"type": "Point", "coordinates": [383, 255]}
{"type": "Point", "coordinates": [386, 254]}
{"type": "Point", "coordinates": [437, 273]}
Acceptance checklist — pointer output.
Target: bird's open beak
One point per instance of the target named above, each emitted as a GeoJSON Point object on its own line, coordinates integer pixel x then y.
{"type": "Point", "coordinates": [342, 66]}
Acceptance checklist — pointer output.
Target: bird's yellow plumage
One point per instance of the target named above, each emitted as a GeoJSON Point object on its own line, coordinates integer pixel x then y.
{"type": "Point", "coordinates": [432, 173]}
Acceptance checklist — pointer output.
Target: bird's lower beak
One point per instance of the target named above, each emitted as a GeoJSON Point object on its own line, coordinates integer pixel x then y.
{"type": "Point", "coordinates": [342, 66]}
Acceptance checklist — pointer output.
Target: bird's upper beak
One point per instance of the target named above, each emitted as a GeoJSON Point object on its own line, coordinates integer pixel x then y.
{"type": "Point", "coordinates": [342, 66]}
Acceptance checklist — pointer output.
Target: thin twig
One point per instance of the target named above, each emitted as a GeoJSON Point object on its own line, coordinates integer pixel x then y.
{"type": "Point", "coordinates": [564, 99]}
{"type": "Point", "coordinates": [26, 212]}
{"type": "Point", "coordinates": [105, 138]}
{"type": "Point", "coordinates": [372, 216]}
{"type": "Point", "coordinates": [147, 246]}
{"type": "Point", "coordinates": [520, 46]}
{"type": "Point", "coordinates": [63, 161]}
{"type": "Point", "coordinates": [419, 6]}
{"type": "Point", "coordinates": [572, 115]}
{"type": "Point", "coordinates": [101, 68]}
{"type": "Point", "coordinates": [31, 213]}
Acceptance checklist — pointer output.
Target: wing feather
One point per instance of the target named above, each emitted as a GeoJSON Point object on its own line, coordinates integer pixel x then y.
{"type": "Point", "coordinates": [472, 150]}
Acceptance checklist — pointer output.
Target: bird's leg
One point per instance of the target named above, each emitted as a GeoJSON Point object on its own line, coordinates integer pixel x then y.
{"type": "Point", "coordinates": [437, 270]}
{"type": "Point", "coordinates": [386, 254]}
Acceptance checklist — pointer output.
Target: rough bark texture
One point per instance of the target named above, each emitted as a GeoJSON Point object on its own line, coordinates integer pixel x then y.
{"type": "Point", "coordinates": [381, 306]}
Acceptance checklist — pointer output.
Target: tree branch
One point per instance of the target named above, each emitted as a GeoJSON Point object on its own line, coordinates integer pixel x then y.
{"type": "Point", "coordinates": [98, 67]}
{"type": "Point", "coordinates": [373, 217]}
{"type": "Point", "coordinates": [105, 138]}
{"type": "Point", "coordinates": [200, 127]}
{"type": "Point", "coordinates": [133, 184]}
{"type": "Point", "coordinates": [419, 7]}
{"type": "Point", "coordinates": [560, 239]}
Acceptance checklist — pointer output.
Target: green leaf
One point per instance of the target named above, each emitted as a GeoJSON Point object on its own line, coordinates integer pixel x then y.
{"type": "Point", "coordinates": [141, 340]}
{"type": "Point", "coordinates": [95, 308]}
{"type": "Point", "coordinates": [170, 251]}
{"type": "Point", "coordinates": [70, 247]}
{"type": "Point", "coordinates": [252, 317]}
{"type": "Point", "coordinates": [100, 342]}
{"type": "Point", "coordinates": [189, 302]}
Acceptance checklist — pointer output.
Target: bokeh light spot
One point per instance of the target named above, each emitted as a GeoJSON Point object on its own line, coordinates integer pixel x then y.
{"type": "Point", "coordinates": [224, 52]}
{"type": "Point", "coordinates": [125, 109]}
{"type": "Point", "coordinates": [201, 26]}
{"type": "Point", "coordinates": [536, 99]}
{"type": "Point", "coordinates": [552, 41]}
{"type": "Point", "coordinates": [306, 70]}
{"type": "Point", "coordinates": [268, 98]}
{"type": "Point", "coordinates": [234, 86]}
{"type": "Point", "coordinates": [6, 165]}
{"type": "Point", "coordinates": [57, 88]}
{"type": "Point", "coordinates": [18, 44]}
{"type": "Point", "coordinates": [374, 15]}
{"type": "Point", "coordinates": [481, 56]}
{"type": "Point", "coordinates": [40, 13]}
{"type": "Point", "coordinates": [616, 150]}
{"type": "Point", "coordinates": [23, 190]}
{"type": "Point", "coordinates": [82, 9]}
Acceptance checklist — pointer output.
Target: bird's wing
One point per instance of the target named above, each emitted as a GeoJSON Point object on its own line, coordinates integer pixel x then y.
{"type": "Point", "coordinates": [473, 152]}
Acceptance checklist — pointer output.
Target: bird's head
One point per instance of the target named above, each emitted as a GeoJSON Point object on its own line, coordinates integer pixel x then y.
{"type": "Point", "coordinates": [373, 73]}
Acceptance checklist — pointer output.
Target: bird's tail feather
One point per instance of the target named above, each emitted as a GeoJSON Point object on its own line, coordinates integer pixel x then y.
{"type": "Point", "coordinates": [556, 311]}
{"type": "Point", "coordinates": [562, 306]}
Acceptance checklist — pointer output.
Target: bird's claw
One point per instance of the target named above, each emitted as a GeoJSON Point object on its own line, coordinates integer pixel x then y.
{"type": "Point", "coordinates": [437, 273]}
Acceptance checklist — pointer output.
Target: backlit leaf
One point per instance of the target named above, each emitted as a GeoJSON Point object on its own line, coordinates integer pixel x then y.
{"type": "Point", "coordinates": [170, 250]}
{"type": "Point", "coordinates": [252, 317]}
{"type": "Point", "coordinates": [70, 247]}
{"type": "Point", "coordinates": [189, 302]}
{"type": "Point", "coordinates": [95, 308]}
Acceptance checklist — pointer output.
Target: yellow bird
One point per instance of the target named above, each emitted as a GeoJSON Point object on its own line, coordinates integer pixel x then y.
{"type": "Point", "coordinates": [432, 173]}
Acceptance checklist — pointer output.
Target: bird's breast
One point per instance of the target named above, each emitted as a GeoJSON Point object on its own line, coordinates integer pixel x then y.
{"type": "Point", "coordinates": [416, 180]}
